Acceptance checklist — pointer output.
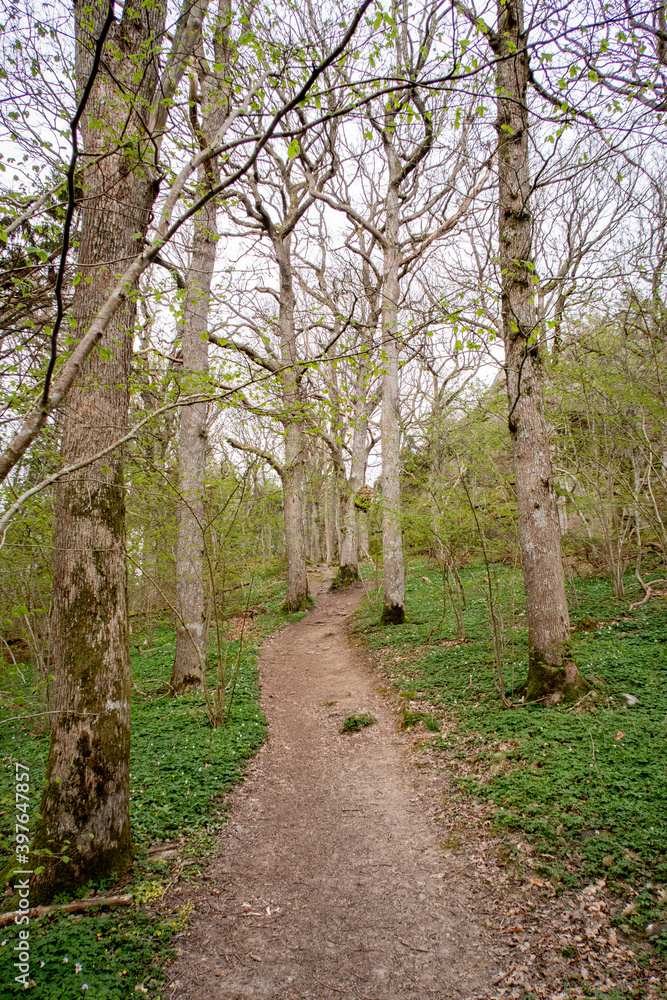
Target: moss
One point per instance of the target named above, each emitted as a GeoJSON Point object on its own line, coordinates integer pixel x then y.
{"type": "Point", "coordinates": [552, 683]}
{"type": "Point", "coordinates": [299, 603]}
{"type": "Point", "coordinates": [188, 682]}
{"type": "Point", "coordinates": [345, 577]}
{"type": "Point", "coordinates": [392, 614]}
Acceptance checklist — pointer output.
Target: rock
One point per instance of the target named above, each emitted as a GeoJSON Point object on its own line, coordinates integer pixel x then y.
{"type": "Point", "coordinates": [656, 930]}
{"type": "Point", "coordinates": [629, 700]}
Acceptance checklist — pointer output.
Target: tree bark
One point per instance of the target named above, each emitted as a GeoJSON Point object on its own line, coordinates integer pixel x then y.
{"type": "Point", "coordinates": [297, 596]}
{"type": "Point", "coordinates": [393, 611]}
{"type": "Point", "coordinates": [329, 523]}
{"type": "Point", "coordinates": [552, 673]}
{"type": "Point", "coordinates": [84, 812]}
{"type": "Point", "coordinates": [348, 572]}
{"type": "Point", "coordinates": [191, 634]}
{"type": "Point", "coordinates": [191, 639]}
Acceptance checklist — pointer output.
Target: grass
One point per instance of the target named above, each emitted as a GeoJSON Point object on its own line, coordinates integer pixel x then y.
{"type": "Point", "coordinates": [180, 770]}
{"type": "Point", "coordinates": [356, 721]}
{"type": "Point", "coordinates": [587, 785]}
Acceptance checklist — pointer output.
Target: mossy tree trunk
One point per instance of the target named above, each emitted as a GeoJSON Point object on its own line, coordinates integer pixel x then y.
{"type": "Point", "coordinates": [553, 674]}
{"type": "Point", "coordinates": [84, 812]}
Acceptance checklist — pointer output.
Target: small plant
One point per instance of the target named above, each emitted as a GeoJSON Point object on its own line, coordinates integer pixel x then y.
{"type": "Point", "coordinates": [357, 721]}
{"type": "Point", "coordinates": [413, 718]}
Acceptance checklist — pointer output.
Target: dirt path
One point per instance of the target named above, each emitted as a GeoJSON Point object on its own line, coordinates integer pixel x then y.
{"type": "Point", "coordinates": [330, 880]}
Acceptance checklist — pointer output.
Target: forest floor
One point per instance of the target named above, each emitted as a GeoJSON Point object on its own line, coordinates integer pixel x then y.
{"type": "Point", "coordinates": [336, 877]}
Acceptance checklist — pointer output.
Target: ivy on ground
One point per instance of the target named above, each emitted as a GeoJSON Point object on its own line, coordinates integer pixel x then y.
{"type": "Point", "coordinates": [586, 784]}
{"type": "Point", "coordinates": [180, 770]}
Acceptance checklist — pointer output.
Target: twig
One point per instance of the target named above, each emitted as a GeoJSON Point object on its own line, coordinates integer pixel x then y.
{"type": "Point", "coordinates": [162, 594]}
{"type": "Point", "coordinates": [37, 715]}
{"type": "Point", "coordinates": [414, 947]}
{"type": "Point", "coordinates": [76, 907]}
{"type": "Point", "coordinates": [328, 986]}
{"type": "Point", "coordinates": [145, 694]}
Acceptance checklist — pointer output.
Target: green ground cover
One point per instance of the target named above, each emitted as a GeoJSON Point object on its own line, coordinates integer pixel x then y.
{"type": "Point", "coordinates": [586, 784]}
{"type": "Point", "coordinates": [180, 769]}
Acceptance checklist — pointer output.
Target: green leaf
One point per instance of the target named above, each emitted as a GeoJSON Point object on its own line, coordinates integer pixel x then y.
{"type": "Point", "coordinates": [293, 149]}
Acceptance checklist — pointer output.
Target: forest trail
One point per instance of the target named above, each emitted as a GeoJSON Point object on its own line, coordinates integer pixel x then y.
{"type": "Point", "coordinates": [331, 880]}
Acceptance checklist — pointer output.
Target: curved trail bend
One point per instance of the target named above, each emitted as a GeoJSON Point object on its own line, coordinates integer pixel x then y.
{"type": "Point", "coordinates": [331, 881]}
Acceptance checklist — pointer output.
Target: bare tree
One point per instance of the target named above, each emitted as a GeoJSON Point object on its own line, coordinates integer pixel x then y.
{"type": "Point", "coordinates": [212, 94]}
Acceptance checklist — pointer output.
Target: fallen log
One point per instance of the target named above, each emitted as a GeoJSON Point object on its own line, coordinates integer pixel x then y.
{"type": "Point", "coordinates": [78, 906]}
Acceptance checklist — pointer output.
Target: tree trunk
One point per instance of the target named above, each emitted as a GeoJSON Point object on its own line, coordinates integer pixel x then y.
{"type": "Point", "coordinates": [552, 672]}
{"type": "Point", "coordinates": [329, 525]}
{"type": "Point", "coordinates": [393, 611]}
{"type": "Point", "coordinates": [297, 596]}
{"type": "Point", "coordinates": [348, 569]}
{"type": "Point", "coordinates": [84, 812]}
{"type": "Point", "coordinates": [191, 639]}
{"type": "Point", "coordinates": [191, 635]}
{"type": "Point", "coordinates": [348, 572]}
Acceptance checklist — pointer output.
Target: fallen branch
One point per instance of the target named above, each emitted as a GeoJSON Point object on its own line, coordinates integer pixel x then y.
{"type": "Point", "coordinates": [76, 907]}
{"type": "Point", "coordinates": [648, 587]}
{"type": "Point", "coordinates": [145, 694]}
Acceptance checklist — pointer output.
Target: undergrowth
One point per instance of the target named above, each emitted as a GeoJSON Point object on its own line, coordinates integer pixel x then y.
{"type": "Point", "coordinates": [358, 720]}
{"type": "Point", "coordinates": [180, 769]}
{"type": "Point", "coordinates": [587, 784]}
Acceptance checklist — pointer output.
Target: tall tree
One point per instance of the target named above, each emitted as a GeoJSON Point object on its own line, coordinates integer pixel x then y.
{"type": "Point", "coordinates": [84, 814]}
{"type": "Point", "coordinates": [553, 673]}
{"type": "Point", "coordinates": [191, 637]}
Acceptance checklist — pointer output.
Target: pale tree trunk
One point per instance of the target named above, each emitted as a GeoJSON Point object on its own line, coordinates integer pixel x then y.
{"type": "Point", "coordinates": [363, 535]}
{"type": "Point", "coordinates": [552, 672]}
{"type": "Point", "coordinates": [348, 572]}
{"type": "Point", "coordinates": [348, 569]}
{"type": "Point", "coordinates": [84, 812]}
{"type": "Point", "coordinates": [297, 580]}
{"type": "Point", "coordinates": [191, 639]}
{"type": "Point", "coordinates": [191, 634]}
{"type": "Point", "coordinates": [314, 547]}
{"type": "Point", "coordinates": [297, 595]}
{"type": "Point", "coordinates": [329, 526]}
{"type": "Point", "coordinates": [393, 611]}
